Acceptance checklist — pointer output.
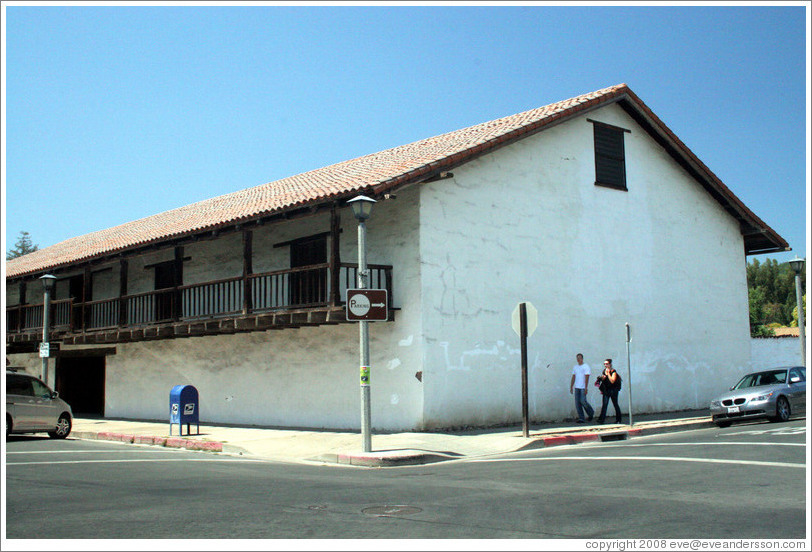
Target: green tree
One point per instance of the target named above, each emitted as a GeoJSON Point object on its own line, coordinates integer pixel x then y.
{"type": "Point", "coordinates": [23, 246]}
{"type": "Point", "coordinates": [771, 292]}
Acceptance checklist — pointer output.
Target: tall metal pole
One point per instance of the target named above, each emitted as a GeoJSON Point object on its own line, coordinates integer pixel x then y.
{"type": "Point", "coordinates": [523, 338]}
{"type": "Point", "coordinates": [629, 370]}
{"type": "Point", "coordinates": [799, 301]}
{"type": "Point", "coordinates": [46, 323]}
{"type": "Point", "coordinates": [366, 434]}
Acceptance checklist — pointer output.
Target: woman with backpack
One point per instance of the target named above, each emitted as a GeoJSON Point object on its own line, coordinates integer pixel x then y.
{"type": "Point", "coordinates": [609, 385]}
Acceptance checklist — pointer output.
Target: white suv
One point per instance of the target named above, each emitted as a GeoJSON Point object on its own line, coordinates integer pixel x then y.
{"type": "Point", "coordinates": [32, 407]}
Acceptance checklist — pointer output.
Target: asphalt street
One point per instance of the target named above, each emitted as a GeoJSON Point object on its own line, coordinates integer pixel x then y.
{"type": "Point", "coordinates": [746, 481]}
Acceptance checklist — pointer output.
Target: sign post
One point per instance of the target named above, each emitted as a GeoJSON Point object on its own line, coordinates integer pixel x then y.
{"type": "Point", "coordinates": [629, 370]}
{"type": "Point", "coordinates": [524, 322]}
{"type": "Point", "coordinates": [365, 306]}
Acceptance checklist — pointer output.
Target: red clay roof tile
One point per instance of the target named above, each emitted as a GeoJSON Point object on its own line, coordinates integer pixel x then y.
{"type": "Point", "coordinates": [374, 173]}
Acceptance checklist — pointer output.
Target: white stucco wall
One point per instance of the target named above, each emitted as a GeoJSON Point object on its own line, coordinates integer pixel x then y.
{"type": "Point", "coordinates": [527, 223]}
{"type": "Point", "coordinates": [767, 352]}
{"type": "Point", "coordinates": [307, 377]}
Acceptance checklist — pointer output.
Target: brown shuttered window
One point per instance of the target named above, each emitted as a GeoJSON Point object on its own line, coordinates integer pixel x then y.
{"type": "Point", "coordinates": [610, 156]}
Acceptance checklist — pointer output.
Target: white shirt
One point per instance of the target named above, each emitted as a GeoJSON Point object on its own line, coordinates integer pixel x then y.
{"type": "Point", "coordinates": [580, 371]}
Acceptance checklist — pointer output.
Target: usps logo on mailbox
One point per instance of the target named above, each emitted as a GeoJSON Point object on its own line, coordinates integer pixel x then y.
{"type": "Point", "coordinates": [188, 409]}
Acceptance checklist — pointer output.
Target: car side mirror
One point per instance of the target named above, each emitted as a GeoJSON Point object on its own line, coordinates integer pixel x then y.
{"type": "Point", "coordinates": [55, 394]}
{"type": "Point", "coordinates": [794, 379]}
{"type": "Point", "coordinates": [731, 389]}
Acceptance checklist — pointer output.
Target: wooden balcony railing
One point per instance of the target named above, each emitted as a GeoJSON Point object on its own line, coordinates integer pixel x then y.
{"type": "Point", "coordinates": [27, 318]}
{"type": "Point", "coordinates": [297, 288]}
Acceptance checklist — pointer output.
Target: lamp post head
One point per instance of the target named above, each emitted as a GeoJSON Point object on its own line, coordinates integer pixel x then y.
{"type": "Point", "coordinates": [797, 264]}
{"type": "Point", "coordinates": [48, 282]}
{"type": "Point", "coordinates": [362, 207]}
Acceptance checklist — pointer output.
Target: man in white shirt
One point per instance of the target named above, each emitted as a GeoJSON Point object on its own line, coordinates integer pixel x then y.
{"type": "Point", "coordinates": [580, 382]}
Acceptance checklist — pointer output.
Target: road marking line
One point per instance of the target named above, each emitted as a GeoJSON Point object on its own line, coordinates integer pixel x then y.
{"type": "Point", "coordinates": [135, 461]}
{"type": "Point", "coordinates": [773, 431]}
{"type": "Point", "coordinates": [605, 445]}
{"type": "Point", "coordinates": [652, 458]}
{"type": "Point", "coordinates": [99, 451]}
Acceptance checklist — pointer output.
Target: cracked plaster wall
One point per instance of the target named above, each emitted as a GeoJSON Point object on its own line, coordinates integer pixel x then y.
{"type": "Point", "coordinates": [306, 377]}
{"type": "Point", "coordinates": [527, 223]}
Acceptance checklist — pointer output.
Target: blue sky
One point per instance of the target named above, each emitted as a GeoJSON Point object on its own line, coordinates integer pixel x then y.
{"type": "Point", "coordinates": [114, 113]}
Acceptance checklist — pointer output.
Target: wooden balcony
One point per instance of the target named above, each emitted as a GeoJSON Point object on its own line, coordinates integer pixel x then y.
{"type": "Point", "coordinates": [305, 296]}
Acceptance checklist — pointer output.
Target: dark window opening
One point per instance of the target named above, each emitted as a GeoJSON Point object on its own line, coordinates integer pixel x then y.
{"type": "Point", "coordinates": [309, 286]}
{"type": "Point", "coordinates": [76, 291]}
{"type": "Point", "coordinates": [610, 156]}
{"type": "Point", "coordinates": [166, 277]}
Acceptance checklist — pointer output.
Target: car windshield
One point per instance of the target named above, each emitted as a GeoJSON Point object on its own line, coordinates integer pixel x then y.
{"type": "Point", "coordinates": [771, 377]}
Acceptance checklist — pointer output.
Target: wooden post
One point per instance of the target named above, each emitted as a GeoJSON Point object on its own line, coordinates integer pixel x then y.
{"type": "Point", "coordinates": [87, 287]}
{"type": "Point", "coordinates": [177, 307]}
{"type": "Point", "coordinates": [21, 302]}
{"type": "Point", "coordinates": [335, 257]}
{"type": "Point", "coordinates": [247, 270]}
{"type": "Point", "coordinates": [122, 293]}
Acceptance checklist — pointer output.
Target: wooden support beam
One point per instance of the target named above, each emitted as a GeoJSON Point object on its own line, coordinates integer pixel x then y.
{"type": "Point", "coordinates": [247, 270]}
{"type": "Point", "coordinates": [335, 256]}
{"type": "Point", "coordinates": [178, 282]}
{"type": "Point", "coordinates": [122, 292]}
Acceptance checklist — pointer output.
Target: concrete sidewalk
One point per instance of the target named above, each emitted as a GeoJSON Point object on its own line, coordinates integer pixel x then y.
{"type": "Point", "coordinates": [389, 449]}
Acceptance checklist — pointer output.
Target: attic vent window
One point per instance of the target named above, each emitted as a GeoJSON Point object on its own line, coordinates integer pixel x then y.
{"type": "Point", "coordinates": [610, 156]}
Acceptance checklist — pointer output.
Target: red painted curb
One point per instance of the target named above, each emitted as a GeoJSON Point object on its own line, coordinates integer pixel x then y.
{"type": "Point", "coordinates": [211, 446]}
{"type": "Point", "coordinates": [170, 442]}
{"type": "Point", "coordinates": [558, 440]}
{"type": "Point", "coordinates": [555, 441]}
{"type": "Point", "coordinates": [108, 436]}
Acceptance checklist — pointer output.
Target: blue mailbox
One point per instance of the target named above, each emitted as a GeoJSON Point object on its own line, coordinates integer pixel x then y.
{"type": "Point", "coordinates": [184, 408]}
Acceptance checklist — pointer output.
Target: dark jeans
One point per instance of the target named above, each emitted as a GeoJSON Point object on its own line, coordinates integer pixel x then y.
{"type": "Point", "coordinates": [606, 396]}
{"type": "Point", "coordinates": [581, 404]}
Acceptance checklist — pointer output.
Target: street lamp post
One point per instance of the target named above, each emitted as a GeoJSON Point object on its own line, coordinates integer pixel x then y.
{"type": "Point", "coordinates": [48, 282]}
{"type": "Point", "coordinates": [362, 209]}
{"type": "Point", "coordinates": [798, 266]}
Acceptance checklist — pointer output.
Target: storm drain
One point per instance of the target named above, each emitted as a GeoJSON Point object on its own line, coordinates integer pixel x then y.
{"type": "Point", "coordinates": [391, 511]}
{"type": "Point", "coordinates": [614, 436]}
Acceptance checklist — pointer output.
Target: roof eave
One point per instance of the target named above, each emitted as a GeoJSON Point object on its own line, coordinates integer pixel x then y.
{"type": "Point", "coordinates": [751, 224]}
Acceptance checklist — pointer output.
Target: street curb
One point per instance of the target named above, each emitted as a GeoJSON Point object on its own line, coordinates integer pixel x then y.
{"type": "Point", "coordinates": [168, 442]}
{"type": "Point", "coordinates": [384, 459]}
{"type": "Point", "coordinates": [374, 461]}
{"type": "Point", "coordinates": [619, 434]}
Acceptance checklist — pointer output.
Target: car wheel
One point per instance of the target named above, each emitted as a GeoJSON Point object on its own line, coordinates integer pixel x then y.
{"type": "Point", "coordinates": [63, 427]}
{"type": "Point", "coordinates": [9, 425]}
{"type": "Point", "coordinates": [723, 424]}
{"type": "Point", "coordinates": [782, 411]}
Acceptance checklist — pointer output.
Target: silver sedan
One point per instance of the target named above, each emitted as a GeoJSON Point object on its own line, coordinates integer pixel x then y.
{"type": "Point", "coordinates": [776, 394]}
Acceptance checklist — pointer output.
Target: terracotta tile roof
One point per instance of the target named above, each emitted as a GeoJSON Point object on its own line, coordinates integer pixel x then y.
{"type": "Point", "coordinates": [372, 174]}
{"type": "Point", "coordinates": [787, 332]}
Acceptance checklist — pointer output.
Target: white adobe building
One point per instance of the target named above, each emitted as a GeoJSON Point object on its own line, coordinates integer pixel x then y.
{"type": "Point", "coordinates": [590, 208]}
